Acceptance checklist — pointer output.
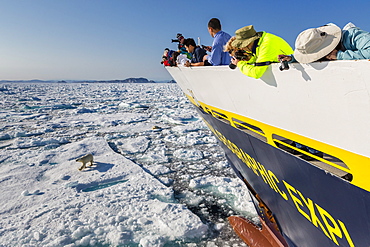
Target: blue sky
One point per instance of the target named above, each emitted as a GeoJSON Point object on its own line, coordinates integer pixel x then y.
{"type": "Point", "coordinates": [118, 39]}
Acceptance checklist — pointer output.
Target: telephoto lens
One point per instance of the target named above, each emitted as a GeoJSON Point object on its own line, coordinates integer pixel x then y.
{"type": "Point", "coordinates": [232, 66]}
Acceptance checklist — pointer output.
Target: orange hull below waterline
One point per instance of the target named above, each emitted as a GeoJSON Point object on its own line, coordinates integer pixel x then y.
{"type": "Point", "coordinates": [253, 235]}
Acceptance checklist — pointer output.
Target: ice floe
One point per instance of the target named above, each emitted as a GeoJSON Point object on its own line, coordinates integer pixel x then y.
{"type": "Point", "coordinates": [158, 179]}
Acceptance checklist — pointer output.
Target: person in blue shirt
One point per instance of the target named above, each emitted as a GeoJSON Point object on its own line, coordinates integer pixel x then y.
{"type": "Point", "coordinates": [355, 44]}
{"type": "Point", "coordinates": [218, 56]}
{"type": "Point", "coordinates": [198, 54]}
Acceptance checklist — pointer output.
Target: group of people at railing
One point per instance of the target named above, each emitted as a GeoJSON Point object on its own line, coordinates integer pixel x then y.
{"type": "Point", "coordinates": [252, 52]}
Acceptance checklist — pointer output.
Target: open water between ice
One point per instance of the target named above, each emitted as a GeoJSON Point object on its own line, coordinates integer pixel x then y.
{"type": "Point", "coordinates": [164, 186]}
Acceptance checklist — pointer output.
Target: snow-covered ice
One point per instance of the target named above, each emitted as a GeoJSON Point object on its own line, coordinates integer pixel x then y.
{"type": "Point", "coordinates": [168, 185]}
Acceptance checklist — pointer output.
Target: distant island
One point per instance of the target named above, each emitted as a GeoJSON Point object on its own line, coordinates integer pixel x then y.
{"type": "Point", "coordinates": [128, 80]}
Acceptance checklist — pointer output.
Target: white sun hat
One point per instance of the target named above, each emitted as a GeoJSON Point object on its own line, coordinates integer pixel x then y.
{"type": "Point", "coordinates": [315, 43]}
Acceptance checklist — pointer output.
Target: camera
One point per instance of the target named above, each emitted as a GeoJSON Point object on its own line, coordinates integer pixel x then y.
{"type": "Point", "coordinates": [178, 38]}
{"type": "Point", "coordinates": [241, 55]}
{"type": "Point", "coordinates": [232, 66]}
{"type": "Point", "coordinates": [283, 65]}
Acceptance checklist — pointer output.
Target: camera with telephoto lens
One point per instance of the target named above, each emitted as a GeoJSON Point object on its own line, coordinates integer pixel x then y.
{"type": "Point", "coordinates": [178, 38]}
{"type": "Point", "coordinates": [232, 66]}
{"type": "Point", "coordinates": [283, 65]}
{"type": "Point", "coordinates": [239, 55]}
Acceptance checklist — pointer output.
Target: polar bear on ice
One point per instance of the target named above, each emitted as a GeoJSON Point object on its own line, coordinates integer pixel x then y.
{"type": "Point", "coordinates": [84, 160]}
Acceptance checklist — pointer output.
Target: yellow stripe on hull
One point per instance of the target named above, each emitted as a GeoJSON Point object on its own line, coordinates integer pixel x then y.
{"type": "Point", "coordinates": [354, 164]}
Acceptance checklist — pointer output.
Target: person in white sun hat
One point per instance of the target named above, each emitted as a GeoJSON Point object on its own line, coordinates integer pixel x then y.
{"type": "Point", "coordinates": [315, 43]}
{"type": "Point", "coordinates": [329, 42]}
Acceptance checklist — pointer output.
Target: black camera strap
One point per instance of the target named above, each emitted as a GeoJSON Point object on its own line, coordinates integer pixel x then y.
{"type": "Point", "coordinates": [255, 45]}
{"type": "Point", "coordinates": [263, 63]}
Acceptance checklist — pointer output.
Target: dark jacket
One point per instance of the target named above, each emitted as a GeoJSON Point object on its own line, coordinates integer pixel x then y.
{"type": "Point", "coordinates": [198, 55]}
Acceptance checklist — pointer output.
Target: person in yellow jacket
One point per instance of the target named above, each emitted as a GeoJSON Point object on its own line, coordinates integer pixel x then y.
{"type": "Point", "coordinates": [260, 49]}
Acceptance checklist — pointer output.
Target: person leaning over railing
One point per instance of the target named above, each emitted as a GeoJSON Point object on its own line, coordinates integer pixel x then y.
{"type": "Point", "coordinates": [198, 54]}
{"type": "Point", "coordinates": [261, 48]}
{"type": "Point", "coordinates": [329, 42]}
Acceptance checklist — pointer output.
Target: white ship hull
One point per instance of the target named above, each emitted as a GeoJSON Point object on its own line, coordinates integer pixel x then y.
{"type": "Point", "coordinates": [325, 106]}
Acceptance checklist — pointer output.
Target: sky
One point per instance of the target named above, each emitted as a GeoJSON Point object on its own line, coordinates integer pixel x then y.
{"type": "Point", "coordinates": [119, 39]}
